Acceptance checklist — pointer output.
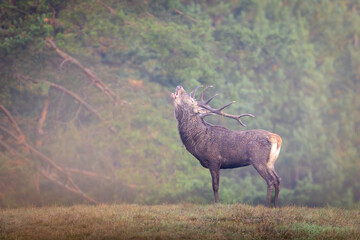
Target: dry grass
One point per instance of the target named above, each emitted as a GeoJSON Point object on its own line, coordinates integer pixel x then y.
{"type": "Point", "coordinates": [186, 221]}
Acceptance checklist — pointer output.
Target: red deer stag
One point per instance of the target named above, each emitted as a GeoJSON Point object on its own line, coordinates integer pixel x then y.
{"type": "Point", "coordinates": [218, 148]}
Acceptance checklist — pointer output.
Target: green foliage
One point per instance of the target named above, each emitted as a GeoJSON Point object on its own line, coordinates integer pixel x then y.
{"type": "Point", "coordinates": [293, 64]}
{"type": "Point", "coordinates": [24, 22]}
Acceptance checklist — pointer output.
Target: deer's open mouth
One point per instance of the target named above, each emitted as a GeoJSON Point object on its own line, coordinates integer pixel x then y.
{"type": "Point", "coordinates": [177, 92]}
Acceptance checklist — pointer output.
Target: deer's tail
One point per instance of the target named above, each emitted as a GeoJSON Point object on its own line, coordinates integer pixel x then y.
{"type": "Point", "coordinates": [275, 149]}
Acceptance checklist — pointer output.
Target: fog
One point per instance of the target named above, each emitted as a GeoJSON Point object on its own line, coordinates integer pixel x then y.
{"type": "Point", "coordinates": [86, 114]}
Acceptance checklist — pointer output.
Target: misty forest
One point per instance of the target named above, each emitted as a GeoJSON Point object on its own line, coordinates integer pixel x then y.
{"type": "Point", "coordinates": [86, 114]}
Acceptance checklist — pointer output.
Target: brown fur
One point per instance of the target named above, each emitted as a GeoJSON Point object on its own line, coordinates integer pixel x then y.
{"type": "Point", "coordinates": [218, 148]}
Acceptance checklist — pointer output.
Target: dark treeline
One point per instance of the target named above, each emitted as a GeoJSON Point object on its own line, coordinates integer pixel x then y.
{"type": "Point", "coordinates": [86, 115]}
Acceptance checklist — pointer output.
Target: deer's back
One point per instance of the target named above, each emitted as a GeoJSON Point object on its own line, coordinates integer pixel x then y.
{"type": "Point", "coordinates": [231, 149]}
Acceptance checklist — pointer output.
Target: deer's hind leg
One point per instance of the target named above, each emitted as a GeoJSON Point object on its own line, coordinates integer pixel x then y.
{"type": "Point", "coordinates": [277, 183]}
{"type": "Point", "coordinates": [269, 179]}
{"type": "Point", "coordinates": [274, 153]}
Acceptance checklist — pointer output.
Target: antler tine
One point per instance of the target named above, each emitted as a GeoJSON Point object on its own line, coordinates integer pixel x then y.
{"type": "Point", "coordinates": [225, 106]}
{"type": "Point", "coordinates": [221, 113]}
{"type": "Point", "coordinates": [195, 90]}
{"type": "Point", "coordinates": [246, 115]}
{"type": "Point", "coordinates": [242, 124]}
{"type": "Point", "coordinates": [209, 100]}
{"type": "Point", "coordinates": [202, 93]}
{"type": "Point", "coordinates": [218, 111]}
{"type": "Point", "coordinates": [237, 117]}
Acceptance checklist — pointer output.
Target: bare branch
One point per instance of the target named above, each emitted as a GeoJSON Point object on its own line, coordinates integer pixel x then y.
{"type": "Point", "coordinates": [66, 91]}
{"type": "Point", "coordinates": [51, 163]}
{"type": "Point", "coordinates": [21, 140]}
{"type": "Point", "coordinates": [73, 189]}
{"type": "Point", "coordinates": [12, 151]}
{"type": "Point", "coordinates": [13, 123]}
{"type": "Point", "coordinates": [107, 7]}
{"type": "Point", "coordinates": [149, 14]}
{"type": "Point", "coordinates": [43, 115]}
{"type": "Point", "coordinates": [182, 14]}
{"type": "Point", "coordinates": [91, 75]}
{"type": "Point", "coordinates": [33, 150]}
{"type": "Point", "coordinates": [8, 132]}
{"type": "Point", "coordinates": [63, 62]}
{"type": "Point", "coordinates": [87, 173]}
{"type": "Point", "coordinates": [76, 97]}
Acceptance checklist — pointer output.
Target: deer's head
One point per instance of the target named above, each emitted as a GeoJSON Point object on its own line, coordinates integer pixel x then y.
{"type": "Point", "coordinates": [187, 104]}
{"type": "Point", "coordinates": [184, 102]}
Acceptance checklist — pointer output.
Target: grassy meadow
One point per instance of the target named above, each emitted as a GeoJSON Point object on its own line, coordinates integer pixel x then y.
{"type": "Point", "coordinates": [182, 221]}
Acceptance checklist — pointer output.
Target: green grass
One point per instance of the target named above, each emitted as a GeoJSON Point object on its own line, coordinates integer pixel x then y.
{"type": "Point", "coordinates": [182, 221]}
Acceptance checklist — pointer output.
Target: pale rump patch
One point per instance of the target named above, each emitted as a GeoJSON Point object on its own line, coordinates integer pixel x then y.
{"type": "Point", "coordinates": [275, 150]}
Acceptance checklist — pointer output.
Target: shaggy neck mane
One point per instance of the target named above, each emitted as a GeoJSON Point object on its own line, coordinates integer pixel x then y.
{"type": "Point", "coordinates": [191, 128]}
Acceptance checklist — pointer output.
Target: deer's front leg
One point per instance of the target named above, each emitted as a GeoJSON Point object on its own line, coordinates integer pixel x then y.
{"type": "Point", "coordinates": [215, 174]}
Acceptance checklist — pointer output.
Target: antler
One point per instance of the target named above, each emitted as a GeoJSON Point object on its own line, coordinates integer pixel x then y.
{"type": "Point", "coordinates": [218, 111]}
{"type": "Point", "coordinates": [194, 92]}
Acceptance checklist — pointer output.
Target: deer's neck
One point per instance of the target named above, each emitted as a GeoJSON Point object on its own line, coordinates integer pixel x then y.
{"type": "Point", "coordinates": [191, 129]}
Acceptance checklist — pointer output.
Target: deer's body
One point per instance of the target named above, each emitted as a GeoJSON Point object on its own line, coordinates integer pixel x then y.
{"type": "Point", "coordinates": [218, 148]}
